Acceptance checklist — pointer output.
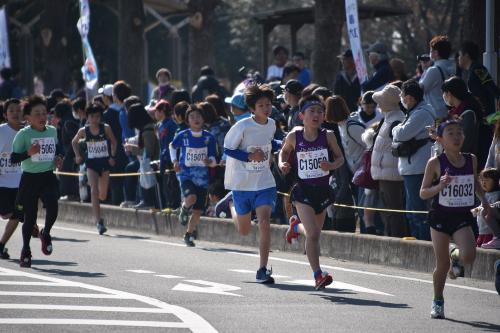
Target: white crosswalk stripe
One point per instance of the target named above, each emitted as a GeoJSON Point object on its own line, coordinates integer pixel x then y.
{"type": "Point", "coordinates": [17, 300]}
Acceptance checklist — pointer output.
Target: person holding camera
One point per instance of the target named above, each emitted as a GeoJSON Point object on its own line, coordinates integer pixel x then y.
{"type": "Point", "coordinates": [412, 146]}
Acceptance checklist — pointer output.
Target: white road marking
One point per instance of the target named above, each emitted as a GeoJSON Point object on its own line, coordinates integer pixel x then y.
{"type": "Point", "coordinates": [325, 266]}
{"type": "Point", "coordinates": [213, 288]}
{"type": "Point", "coordinates": [130, 323]}
{"type": "Point", "coordinates": [80, 308]}
{"type": "Point", "coordinates": [139, 271]}
{"type": "Point", "coordinates": [341, 285]}
{"type": "Point", "coordinates": [188, 319]}
{"type": "Point", "coordinates": [166, 276]}
{"type": "Point", "coordinates": [33, 283]}
{"type": "Point", "coordinates": [67, 295]}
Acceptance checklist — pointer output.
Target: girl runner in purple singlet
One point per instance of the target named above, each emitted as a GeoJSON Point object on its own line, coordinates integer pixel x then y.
{"type": "Point", "coordinates": [316, 154]}
{"type": "Point", "coordinates": [451, 181]}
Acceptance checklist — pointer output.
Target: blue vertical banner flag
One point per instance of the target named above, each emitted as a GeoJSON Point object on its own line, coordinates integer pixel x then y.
{"type": "Point", "coordinates": [89, 69]}
{"type": "Point", "coordinates": [351, 12]}
{"type": "Point", "coordinates": [4, 40]}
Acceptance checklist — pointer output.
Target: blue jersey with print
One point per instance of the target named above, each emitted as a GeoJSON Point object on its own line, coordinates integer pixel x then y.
{"type": "Point", "coordinates": [194, 150]}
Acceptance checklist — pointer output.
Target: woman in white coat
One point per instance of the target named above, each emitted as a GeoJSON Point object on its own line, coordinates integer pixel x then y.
{"type": "Point", "coordinates": [384, 166]}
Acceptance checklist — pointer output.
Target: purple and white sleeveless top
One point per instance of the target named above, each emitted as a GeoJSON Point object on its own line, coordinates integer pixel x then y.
{"type": "Point", "coordinates": [308, 158]}
{"type": "Point", "coordinates": [458, 196]}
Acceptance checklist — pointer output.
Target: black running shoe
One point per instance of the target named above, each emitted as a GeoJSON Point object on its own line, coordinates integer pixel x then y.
{"type": "Point", "coordinates": [46, 242]}
{"type": "Point", "coordinates": [4, 253]}
{"type": "Point", "coordinates": [188, 239]}
{"type": "Point", "coordinates": [25, 260]}
{"type": "Point", "coordinates": [101, 228]}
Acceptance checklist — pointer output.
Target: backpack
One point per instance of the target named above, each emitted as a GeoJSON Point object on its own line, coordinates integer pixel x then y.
{"type": "Point", "coordinates": [352, 122]}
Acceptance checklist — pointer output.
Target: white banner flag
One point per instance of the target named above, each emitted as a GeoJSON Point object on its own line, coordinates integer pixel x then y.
{"type": "Point", "coordinates": [4, 40]}
{"type": "Point", "coordinates": [351, 12]}
{"type": "Point", "coordinates": [89, 69]}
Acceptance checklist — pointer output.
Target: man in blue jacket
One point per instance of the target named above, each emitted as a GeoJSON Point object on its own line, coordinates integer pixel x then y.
{"type": "Point", "coordinates": [377, 54]}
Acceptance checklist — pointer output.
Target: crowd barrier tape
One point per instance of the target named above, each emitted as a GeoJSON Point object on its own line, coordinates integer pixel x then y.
{"type": "Point", "coordinates": [77, 174]}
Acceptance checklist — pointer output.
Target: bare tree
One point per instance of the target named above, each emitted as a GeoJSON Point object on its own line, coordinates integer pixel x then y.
{"type": "Point", "coordinates": [329, 18]}
{"type": "Point", "coordinates": [131, 44]}
{"type": "Point", "coordinates": [201, 36]}
{"type": "Point", "coordinates": [54, 43]}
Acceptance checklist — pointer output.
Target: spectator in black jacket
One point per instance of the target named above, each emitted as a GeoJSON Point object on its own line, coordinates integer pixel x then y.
{"type": "Point", "coordinates": [207, 85]}
{"type": "Point", "coordinates": [377, 54]}
{"type": "Point", "coordinates": [347, 82]}
{"type": "Point", "coordinates": [477, 77]}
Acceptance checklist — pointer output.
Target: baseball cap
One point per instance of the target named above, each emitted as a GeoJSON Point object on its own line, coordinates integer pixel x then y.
{"type": "Point", "coordinates": [345, 54]}
{"type": "Point", "coordinates": [106, 89]}
{"type": "Point", "coordinates": [378, 47]}
{"type": "Point", "coordinates": [237, 100]}
{"type": "Point", "coordinates": [294, 87]}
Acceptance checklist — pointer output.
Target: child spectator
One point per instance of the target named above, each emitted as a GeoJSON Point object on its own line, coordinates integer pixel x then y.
{"type": "Point", "coordinates": [197, 154]}
{"type": "Point", "coordinates": [216, 192]}
{"type": "Point", "coordinates": [488, 178]}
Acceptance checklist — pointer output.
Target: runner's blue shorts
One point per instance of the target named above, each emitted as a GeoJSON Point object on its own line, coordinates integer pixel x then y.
{"type": "Point", "coordinates": [247, 201]}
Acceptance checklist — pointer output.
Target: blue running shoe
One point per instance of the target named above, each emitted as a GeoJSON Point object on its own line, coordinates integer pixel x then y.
{"type": "Point", "coordinates": [264, 276]}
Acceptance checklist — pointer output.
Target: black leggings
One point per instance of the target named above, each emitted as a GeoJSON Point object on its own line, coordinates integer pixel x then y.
{"type": "Point", "coordinates": [35, 186]}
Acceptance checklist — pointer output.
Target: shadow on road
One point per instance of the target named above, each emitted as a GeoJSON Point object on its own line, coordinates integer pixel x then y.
{"type": "Point", "coordinates": [72, 240]}
{"type": "Point", "coordinates": [222, 249]}
{"type": "Point", "coordinates": [488, 327]}
{"type": "Point", "coordinates": [62, 272]}
{"type": "Point", "coordinates": [362, 302]}
{"type": "Point", "coordinates": [299, 287]}
{"type": "Point", "coordinates": [131, 237]}
{"type": "Point", "coordinates": [42, 262]}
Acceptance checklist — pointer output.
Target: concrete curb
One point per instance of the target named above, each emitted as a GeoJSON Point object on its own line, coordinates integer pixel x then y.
{"type": "Point", "coordinates": [395, 252]}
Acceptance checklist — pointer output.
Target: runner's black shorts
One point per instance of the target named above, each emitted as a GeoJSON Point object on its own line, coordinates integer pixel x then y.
{"type": "Point", "coordinates": [189, 188]}
{"type": "Point", "coordinates": [318, 197]}
{"type": "Point", "coordinates": [8, 203]}
{"type": "Point", "coordinates": [34, 186]}
{"type": "Point", "coordinates": [449, 222]}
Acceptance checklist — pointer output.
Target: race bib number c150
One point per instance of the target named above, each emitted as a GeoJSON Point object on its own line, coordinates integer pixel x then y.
{"type": "Point", "coordinates": [195, 157]}
{"type": "Point", "coordinates": [309, 163]}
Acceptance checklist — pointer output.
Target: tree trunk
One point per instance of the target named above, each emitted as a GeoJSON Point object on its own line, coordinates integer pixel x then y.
{"type": "Point", "coordinates": [54, 57]}
{"type": "Point", "coordinates": [329, 18]}
{"type": "Point", "coordinates": [201, 37]}
{"type": "Point", "coordinates": [131, 45]}
{"type": "Point", "coordinates": [474, 23]}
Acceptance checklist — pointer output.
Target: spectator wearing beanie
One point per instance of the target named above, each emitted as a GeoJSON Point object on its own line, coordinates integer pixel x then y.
{"type": "Point", "coordinates": [292, 91]}
{"type": "Point", "coordinates": [384, 166]}
{"type": "Point", "coordinates": [379, 59]}
{"type": "Point", "coordinates": [412, 167]}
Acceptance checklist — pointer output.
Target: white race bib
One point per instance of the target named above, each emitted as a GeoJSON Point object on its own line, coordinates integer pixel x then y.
{"type": "Point", "coordinates": [47, 149]}
{"type": "Point", "coordinates": [309, 163]}
{"type": "Point", "coordinates": [195, 157]}
{"type": "Point", "coordinates": [459, 193]}
{"type": "Point", "coordinates": [97, 149]}
{"type": "Point", "coordinates": [8, 168]}
{"type": "Point", "coordinates": [259, 166]}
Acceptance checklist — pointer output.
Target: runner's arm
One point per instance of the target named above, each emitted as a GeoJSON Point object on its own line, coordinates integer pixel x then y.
{"type": "Point", "coordinates": [74, 143]}
{"type": "Point", "coordinates": [427, 190]}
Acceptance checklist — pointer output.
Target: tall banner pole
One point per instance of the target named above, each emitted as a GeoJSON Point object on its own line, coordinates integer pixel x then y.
{"type": "Point", "coordinates": [4, 40]}
{"type": "Point", "coordinates": [351, 12]}
{"type": "Point", "coordinates": [90, 72]}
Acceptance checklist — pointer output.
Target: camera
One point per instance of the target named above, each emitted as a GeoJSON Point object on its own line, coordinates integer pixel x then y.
{"type": "Point", "coordinates": [424, 58]}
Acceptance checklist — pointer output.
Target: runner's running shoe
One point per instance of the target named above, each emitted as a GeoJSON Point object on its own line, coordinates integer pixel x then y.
{"type": "Point", "coordinates": [188, 239]}
{"type": "Point", "coordinates": [291, 235]}
{"type": "Point", "coordinates": [456, 269]}
{"type": "Point", "coordinates": [497, 276]}
{"type": "Point", "coordinates": [4, 253]}
{"type": "Point", "coordinates": [264, 276]}
{"type": "Point", "coordinates": [184, 215]}
{"type": "Point", "coordinates": [46, 242]}
{"type": "Point", "coordinates": [437, 309]}
{"type": "Point", "coordinates": [100, 227]}
{"type": "Point", "coordinates": [323, 280]}
{"type": "Point", "coordinates": [25, 260]}
{"type": "Point", "coordinates": [492, 244]}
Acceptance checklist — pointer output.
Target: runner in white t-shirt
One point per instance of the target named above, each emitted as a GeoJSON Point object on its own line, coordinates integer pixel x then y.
{"type": "Point", "coordinates": [10, 173]}
{"type": "Point", "coordinates": [248, 145]}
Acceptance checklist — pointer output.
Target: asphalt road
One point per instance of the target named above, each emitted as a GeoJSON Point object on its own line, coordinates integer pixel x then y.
{"type": "Point", "coordinates": [131, 282]}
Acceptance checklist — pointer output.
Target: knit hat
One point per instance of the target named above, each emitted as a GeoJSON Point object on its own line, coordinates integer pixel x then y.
{"type": "Point", "coordinates": [388, 98]}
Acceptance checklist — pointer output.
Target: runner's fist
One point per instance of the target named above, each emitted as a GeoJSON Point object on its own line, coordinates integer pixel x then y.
{"type": "Point", "coordinates": [34, 149]}
{"type": "Point", "coordinates": [177, 167]}
{"type": "Point", "coordinates": [257, 156]}
{"type": "Point", "coordinates": [78, 159]}
{"type": "Point", "coordinates": [285, 167]}
{"type": "Point", "coordinates": [325, 165]}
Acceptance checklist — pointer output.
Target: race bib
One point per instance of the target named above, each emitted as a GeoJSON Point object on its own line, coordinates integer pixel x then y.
{"type": "Point", "coordinates": [195, 157]}
{"type": "Point", "coordinates": [459, 193]}
{"type": "Point", "coordinates": [309, 163]}
{"type": "Point", "coordinates": [47, 149]}
{"type": "Point", "coordinates": [259, 166]}
{"type": "Point", "coordinates": [97, 149]}
{"type": "Point", "coordinates": [8, 168]}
